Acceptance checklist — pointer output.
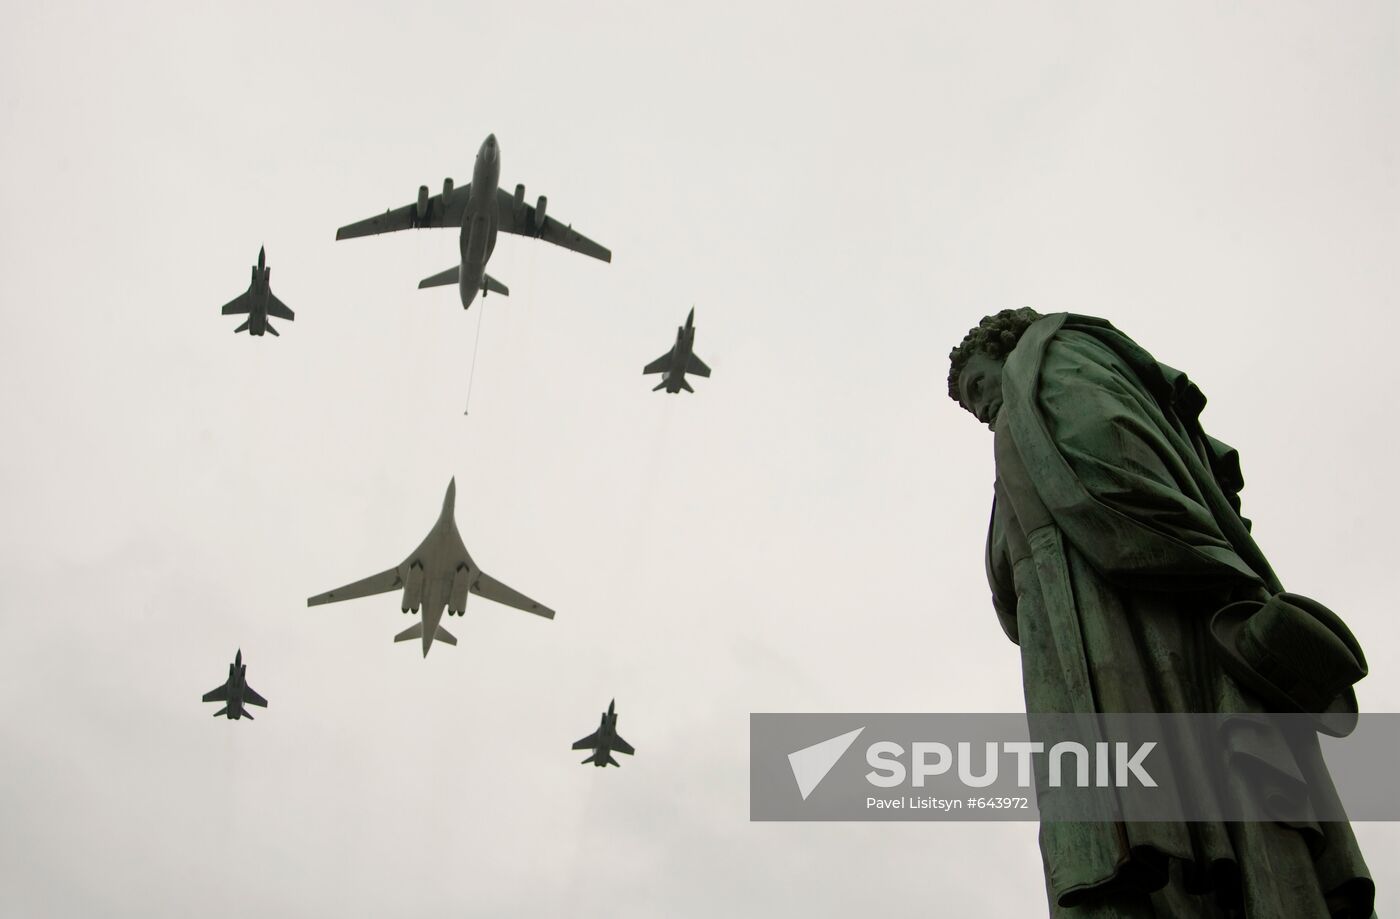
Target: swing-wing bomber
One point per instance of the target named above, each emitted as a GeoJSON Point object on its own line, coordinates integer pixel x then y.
{"type": "Point", "coordinates": [437, 576]}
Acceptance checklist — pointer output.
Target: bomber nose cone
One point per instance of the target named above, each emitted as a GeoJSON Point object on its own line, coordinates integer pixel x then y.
{"type": "Point", "coordinates": [489, 148]}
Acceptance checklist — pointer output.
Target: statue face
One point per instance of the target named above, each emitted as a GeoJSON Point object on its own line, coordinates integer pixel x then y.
{"type": "Point", "coordinates": [980, 387]}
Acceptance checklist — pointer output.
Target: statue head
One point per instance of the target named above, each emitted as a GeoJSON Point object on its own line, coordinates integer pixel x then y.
{"type": "Point", "coordinates": [974, 374]}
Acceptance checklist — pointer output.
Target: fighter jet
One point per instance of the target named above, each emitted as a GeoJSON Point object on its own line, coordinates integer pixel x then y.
{"type": "Point", "coordinates": [480, 208]}
{"type": "Point", "coordinates": [259, 302]}
{"type": "Point", "coordinates": [235, 693]}
{"type": "Point", "coordinates": [605, 740]}
{"type": "Point", "coordinates": [437, 575]}
{"type": "Point", "coordinates": [679, 361]}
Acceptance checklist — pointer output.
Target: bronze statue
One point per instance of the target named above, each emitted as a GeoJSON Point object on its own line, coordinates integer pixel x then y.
{"type": "Point", "coordinates": [1120, 564]}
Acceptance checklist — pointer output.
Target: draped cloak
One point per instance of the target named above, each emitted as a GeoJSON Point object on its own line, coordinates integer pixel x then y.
{"type": "Point", "coordinates": [1115, 534]}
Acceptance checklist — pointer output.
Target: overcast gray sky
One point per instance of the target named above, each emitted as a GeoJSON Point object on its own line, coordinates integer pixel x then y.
{"type": "Point", "coordinates": [841, 192]}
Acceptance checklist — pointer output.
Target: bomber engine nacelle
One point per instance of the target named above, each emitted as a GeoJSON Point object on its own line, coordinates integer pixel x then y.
{"type": "Point", "coordinates": [457, 597]}
{"type": "Point", "coordinates": [539, 212]}
{"type": "Point", "coordinates": [413, 590]}
{"type": "Point", "coordinates": [446, 189]}
{"type": "Point", "coordinates": [422, 202]}
{"type": "Point", "coordinates": [519, 197]}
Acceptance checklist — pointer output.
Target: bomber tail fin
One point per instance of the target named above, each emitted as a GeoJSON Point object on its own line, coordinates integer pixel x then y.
{"type": "Point", "coordinates": [415, 631]}
{"type": "Point", "coordinates": [491, 285]}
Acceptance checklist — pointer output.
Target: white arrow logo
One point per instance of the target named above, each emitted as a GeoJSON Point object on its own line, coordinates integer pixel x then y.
{"type": "Point", "coordinates": [811, 764]}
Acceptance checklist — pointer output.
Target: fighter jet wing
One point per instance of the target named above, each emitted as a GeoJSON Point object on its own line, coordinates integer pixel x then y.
{"type": "Point", "coordinates": [380, 583]}
{"type": "Point", "coordinates": [217, 695]}
{"type": "Point", "coordinates": [277, 309]}
{"type": "Point", "coordinates": [492, 589]}
{"type": "Point", "coordinates": [437, 214]}
{"type": "Point", "coordinates": [252, 698]}
{"type": "Point", "coordinates": [520, 220]}
{"type": "Point", "coordinates": [239, 304]}
{"type": "Point", "coordinates": [622, 746]}
{"type": "Point", "coordinates": [660, 365]}
{"type": "Point", "coordinates": [588, 743]}
{"type": "Point", "coordinates": [697, 366]}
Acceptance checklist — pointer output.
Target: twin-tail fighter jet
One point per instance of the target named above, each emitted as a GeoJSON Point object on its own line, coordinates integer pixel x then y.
{"type": "Point", "coordinates": [605, 740]}
{"type": "Point", "coordinates": [481, 209]}
{"type": "Point", "coordinates": [679, 361]}
{"type": "Point", "coordinates": [438, 575]}
{"type": "Point", "coordinates": [259, 303]}
{"type": "Point", "coordinates": [235, 693]}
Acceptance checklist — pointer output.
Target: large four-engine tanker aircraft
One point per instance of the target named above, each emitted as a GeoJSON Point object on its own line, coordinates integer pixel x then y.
{"type": "Point", "coordinates": [482, 209]}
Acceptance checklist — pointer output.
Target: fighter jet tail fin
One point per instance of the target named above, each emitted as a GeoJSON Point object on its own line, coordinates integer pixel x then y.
{"type": "Point", "coordinates": [222, 711]}
{"type": "Point", "coordinates": [243, 327]}
{"type": "Point", "coordinates": [661, 385]}
{"type": "Point", "coordinates": [247, 714]}
{"type": "Point", "coordinates": [490, 284]}
{"type": "Point", "coordinates": [685, 385]}
{"type": "Point", "coordinates": [442, 278]}
{"type": "Point", "coordinates": [273, 331]}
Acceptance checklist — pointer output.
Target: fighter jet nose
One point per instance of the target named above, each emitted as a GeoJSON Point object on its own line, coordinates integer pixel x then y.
{"type": "Point", "coordinates": [450, 499]}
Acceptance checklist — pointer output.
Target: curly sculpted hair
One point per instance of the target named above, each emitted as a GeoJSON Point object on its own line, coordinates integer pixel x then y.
{"type": "Point", "coordinates": [994, 336]}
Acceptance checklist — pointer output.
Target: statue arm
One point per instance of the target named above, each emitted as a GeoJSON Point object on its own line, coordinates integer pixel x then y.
{"type": "Point", "coordinates": [999, 576]}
